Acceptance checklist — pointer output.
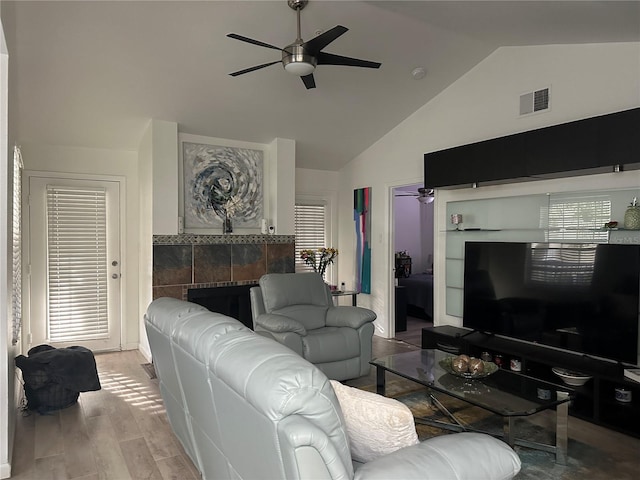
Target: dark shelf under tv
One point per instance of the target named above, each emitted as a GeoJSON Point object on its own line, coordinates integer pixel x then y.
{"type": "Point", "coordinates": [594, 401]}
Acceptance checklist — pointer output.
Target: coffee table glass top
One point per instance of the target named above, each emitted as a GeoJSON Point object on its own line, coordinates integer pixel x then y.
{"type": "Point", "coordinates": [504, 393]}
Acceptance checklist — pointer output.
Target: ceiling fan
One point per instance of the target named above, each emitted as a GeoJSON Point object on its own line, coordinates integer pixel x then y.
{"type": "Point", "coordinates": [424, 195]}
{"type": "Point", "coordinates": [301, 58]}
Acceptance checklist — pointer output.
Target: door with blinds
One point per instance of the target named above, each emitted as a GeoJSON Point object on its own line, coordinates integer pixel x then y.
{"type": "Point", "coordinates": [74, 263]}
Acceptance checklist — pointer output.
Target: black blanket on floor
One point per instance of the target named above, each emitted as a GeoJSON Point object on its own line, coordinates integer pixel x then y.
{"type": "Point", "coordinates": [54, 376]}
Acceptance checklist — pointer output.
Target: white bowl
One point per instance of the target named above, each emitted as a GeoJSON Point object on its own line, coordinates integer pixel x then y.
{"type": "Point", "coordinates": [575, 379]}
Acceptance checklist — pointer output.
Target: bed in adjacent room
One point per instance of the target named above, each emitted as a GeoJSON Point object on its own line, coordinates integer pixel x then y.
{"type": "Point", "coordinates": [419, 290]}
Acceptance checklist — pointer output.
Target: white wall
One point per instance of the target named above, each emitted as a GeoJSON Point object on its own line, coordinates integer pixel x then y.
{"type": "Point", "coordinates": [585, 80]}
{"type": "Point", "coordinates": [426, 226]}
{"type": "Point", "coordinates": [322, 186]}
{"type": "Point", "coordinates": [164, 173]}
{"type": "Point", "coordinates": [282, 180]}
{"type": "Point", "coordinates": [90, 161]}
{"type": "Point", "coordinates": [145, 251]}
{"type": "Point", "coordinates": [7, 369]}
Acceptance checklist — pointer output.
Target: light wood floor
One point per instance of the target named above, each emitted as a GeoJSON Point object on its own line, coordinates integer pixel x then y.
{"type": "Point", "coordinates": [122, 432]}
{"type": "Point", "coordinates": [413, 333]}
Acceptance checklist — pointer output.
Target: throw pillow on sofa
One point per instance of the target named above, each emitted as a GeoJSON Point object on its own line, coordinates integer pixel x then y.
{"type": "Point", "coordinates": [376, 425]}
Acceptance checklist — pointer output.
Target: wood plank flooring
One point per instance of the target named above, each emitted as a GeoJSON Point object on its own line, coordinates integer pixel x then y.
{"type": "Point", "coordinates": [118, 433]}
{"type": "Point", "coordinates": [121, 432]}
{"type": "Point", "coordinates": [413, 333]}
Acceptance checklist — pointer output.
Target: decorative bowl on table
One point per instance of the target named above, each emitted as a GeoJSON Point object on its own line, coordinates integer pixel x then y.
{"type": "Point", "coordinates": [575, 379]}
{"type": "Point", "coordinates": [475, 368]}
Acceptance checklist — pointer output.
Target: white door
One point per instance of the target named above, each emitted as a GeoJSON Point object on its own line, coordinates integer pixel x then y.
{"type": "Point", "coordinates": [74, 255]}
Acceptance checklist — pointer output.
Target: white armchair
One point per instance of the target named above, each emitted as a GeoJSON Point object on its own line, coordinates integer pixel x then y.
{"type": "Point", "coordinates": [297, 310]}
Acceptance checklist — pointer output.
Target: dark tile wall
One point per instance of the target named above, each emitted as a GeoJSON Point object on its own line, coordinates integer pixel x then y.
{"type": "Point", "coordinates": [181, 262]}
{"type": "Point", "coordinates": [212, 263]}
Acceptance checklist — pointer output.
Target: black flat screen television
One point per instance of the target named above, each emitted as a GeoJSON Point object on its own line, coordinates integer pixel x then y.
{"type": "Point", "coordinates": [574, 296]}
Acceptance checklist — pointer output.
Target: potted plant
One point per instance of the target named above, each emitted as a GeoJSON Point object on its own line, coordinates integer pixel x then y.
{"type": "Point", "coordinates": [319, 259]}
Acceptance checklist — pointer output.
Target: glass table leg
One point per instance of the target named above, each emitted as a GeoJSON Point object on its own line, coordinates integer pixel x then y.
{"type": "Point", "coordinates": [562, 429]}
{"type": "Point", "coordinates": [508, 431]}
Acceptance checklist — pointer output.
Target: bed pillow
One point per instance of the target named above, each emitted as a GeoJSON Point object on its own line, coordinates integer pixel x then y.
{"type": "Point", "coordinates": [376, 425]}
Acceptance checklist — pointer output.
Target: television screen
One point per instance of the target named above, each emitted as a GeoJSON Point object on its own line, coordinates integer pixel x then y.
{"type": "Point", "coordinates": [574, 296]}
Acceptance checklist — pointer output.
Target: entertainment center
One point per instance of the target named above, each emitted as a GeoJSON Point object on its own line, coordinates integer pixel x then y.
{"type": "Point", "coordinates": [518, 223]}
{"type": "Point", "coordinates": [520, 277]}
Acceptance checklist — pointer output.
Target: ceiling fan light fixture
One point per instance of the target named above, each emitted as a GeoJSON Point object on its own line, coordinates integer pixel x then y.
{"type": "Point", "coordinates": [424, 200]}
{"type": "Point", "coordinates": [300, 69]}
{"type": "Point", "coordinates": [297, 62]}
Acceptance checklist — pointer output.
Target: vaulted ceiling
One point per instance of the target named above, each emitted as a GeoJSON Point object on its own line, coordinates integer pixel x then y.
{"type": "Point", "coordinates": [91, 73]}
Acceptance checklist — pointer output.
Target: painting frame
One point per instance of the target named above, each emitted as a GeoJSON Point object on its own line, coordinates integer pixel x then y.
{"type": "Point", "coordinates": [221, 180]}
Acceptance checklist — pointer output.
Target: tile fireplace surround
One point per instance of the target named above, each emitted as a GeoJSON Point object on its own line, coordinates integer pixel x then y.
{"type": "Point", "coordinates": [184, 262]}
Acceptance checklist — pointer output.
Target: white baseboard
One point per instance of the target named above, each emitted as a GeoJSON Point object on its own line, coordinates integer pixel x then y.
{"type": "Point", "coordinates": [130, 346]}
{"type": "Point", "coordinates": [5, 470]}
{"type": "Point", "coordinates": [146, 353]}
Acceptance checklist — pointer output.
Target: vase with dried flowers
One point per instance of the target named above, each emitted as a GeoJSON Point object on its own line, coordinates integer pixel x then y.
{"type": "Point", "coordinates": [319, 259]}
{"type": "Point", "coordinates": [229, 210]}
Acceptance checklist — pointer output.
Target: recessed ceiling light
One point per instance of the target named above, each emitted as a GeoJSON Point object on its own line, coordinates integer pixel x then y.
{"type": "Point", "coordinates": [419, 73]}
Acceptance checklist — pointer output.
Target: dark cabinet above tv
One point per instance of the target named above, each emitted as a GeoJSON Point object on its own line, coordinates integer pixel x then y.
{"type": "Point", "coordinates": [588, 144]}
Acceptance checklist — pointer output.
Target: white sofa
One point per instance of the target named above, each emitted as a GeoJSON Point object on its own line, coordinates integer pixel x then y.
{"type": "Point", "coordinates": [246, 407]}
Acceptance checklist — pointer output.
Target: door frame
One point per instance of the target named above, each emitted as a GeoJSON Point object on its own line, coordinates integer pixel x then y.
{"type": "Point", "coordinates": [26, 245]}
{"type": "Point", "coordinates": [391, 290]}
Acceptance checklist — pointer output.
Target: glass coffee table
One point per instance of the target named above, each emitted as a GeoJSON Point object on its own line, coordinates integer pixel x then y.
{"type": "Point", "coordinates": [503, 393]}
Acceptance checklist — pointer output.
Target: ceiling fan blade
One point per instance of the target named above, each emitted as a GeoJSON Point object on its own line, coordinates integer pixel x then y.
{"type": "Point", "coordinates": [251, 69]}
{"type": "Point", "coordinates": [331, 59]}
{"type": "Point", "coordinates": [316, 44]}
{"type": "Point", "coordinates": [309, 81]}
{"type": "Point", "coordinates": [251, 40]}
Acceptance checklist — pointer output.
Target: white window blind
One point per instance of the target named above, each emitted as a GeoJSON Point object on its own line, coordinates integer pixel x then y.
{"type": "Point", "coordinates": [16, 299]}
{"type": "Point", "coordinates": [580, 219]}
{"type": "Point", "coordinates": [77, 264]}
{"type": "Point", "coordinates": [310, 231]}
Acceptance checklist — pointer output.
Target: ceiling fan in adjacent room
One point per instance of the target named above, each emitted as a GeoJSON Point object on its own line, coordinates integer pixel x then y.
{"type": "Point", "coordinates": [301, 58]}
{"type": "Point", "coordinates": [424, 195]}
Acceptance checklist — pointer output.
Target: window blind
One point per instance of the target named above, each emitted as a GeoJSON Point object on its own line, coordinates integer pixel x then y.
{"type": "Point", "coordinates": [310, 231]}
{"type": "Point", "coordinates": [576, 218]}
{"type": "Point", "coordinates": [16, 298]}
{"type": "Point", "coordinates": [77, 264]}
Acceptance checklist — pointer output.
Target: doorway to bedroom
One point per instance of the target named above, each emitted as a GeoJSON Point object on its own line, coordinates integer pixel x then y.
{"type": "Point", "coordinates": [412, 224]}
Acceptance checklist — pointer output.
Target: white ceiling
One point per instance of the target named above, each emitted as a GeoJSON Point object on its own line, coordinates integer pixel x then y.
{"type": "Point", "coordinates": [90, 73]}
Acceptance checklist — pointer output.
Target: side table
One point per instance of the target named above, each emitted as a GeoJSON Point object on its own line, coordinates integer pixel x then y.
{"type": "Point", "coordinates": [341, 293]}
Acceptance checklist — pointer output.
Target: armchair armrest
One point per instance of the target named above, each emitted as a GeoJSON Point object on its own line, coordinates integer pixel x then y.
{"type": "Point", "coordinates": [353, 317]}
{"type": "Point", "coordinates": [280, 324]}
{"type": "Point", "coordinates": [463, 456]}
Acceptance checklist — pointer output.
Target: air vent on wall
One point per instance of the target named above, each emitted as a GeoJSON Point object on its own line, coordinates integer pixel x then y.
{"type": "Point", "coordinates": [534, 101]}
